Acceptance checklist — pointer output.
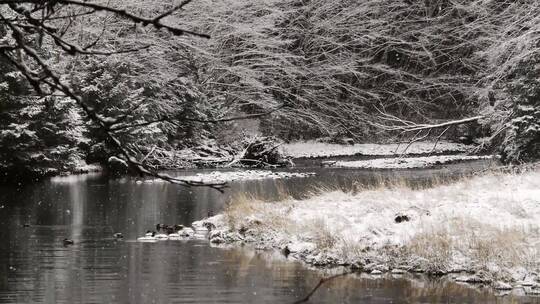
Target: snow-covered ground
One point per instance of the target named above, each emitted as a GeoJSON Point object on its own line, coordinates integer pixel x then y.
{"type": "Point", "coordinates": [405, 162]}
{"type": "Point", "coordinates": [487, 227]}
{"type": "Point", "coordinates": [317, 149]}
{"type": "Point", "coordinates": [239, 175]}
{"type": "Point", "coordinates": [85, 168]}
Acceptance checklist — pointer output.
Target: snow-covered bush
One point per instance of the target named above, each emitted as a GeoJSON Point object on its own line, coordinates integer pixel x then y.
{"type": "Point", "coordinates": [38, 136]}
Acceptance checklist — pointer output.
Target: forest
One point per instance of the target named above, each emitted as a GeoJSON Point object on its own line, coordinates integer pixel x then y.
{"type": "Point", "coordinates": [291, 151]}
{"type": "Point", "coordinates": [367, 71]}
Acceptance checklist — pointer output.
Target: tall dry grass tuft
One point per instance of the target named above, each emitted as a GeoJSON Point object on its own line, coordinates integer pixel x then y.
{"type": "Point", "coordinates": [487, 248]}
{"type": "Point", "coordinates": [264, 214]}
{"type": "Point", "coordinates": [282, 192]}
{"type": "Point", "coordinates": [240, 206]}
{"type": "Point", "coordinates": [506, 248]}
{"type": "Point", "coordinates": [351, 249]}
{"type": "Point", "coordinates": [323, 236]}
{"type": "Point", "coordinates": [434, 248]}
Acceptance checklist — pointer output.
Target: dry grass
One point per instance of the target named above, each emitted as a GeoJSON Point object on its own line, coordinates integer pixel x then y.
{"type": "Point", "coordinates": [506, 248]}
{"type": "Point", "coordinates": [434, 248]}
{"type": "Point", "coordinates": [383, 183]}
{"type": "Point", "coordinates": [486, 223]}
{"type": "Point", "coordinates": [351, 250]}
{"type": "Point", "coordinates": [486, 247]}
{"type": "Point", "coordinates": [244, 207]}
{"type": "Point", "coordinates": [240, 206]}
{"type": "Point", "coordinates": [323, 236]}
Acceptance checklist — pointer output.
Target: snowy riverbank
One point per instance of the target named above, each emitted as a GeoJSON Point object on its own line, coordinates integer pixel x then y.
{"type": "Point", "coordinates": [484, 229]}
{"type": "Point", "coordinates": [236, 175]}
{"type": "Point", "coordinates": [313, 149]}
{"type": "Point", "coordinates": [405, 162]}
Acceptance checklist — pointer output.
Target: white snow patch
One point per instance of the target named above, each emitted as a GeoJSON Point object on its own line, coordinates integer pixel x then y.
{"type": "Point", "coordinates": [407, 163]}
{"type": "Point", "coordinates": [223, 176]}
{"type": "Point", "coordinates": [502, 286]}
{"type": "Point", "coordinates": [301, 247]}
{"type": "Point", "coordinates": [87, 168]}
{"type": "Point", "coordinates": [316, 149]}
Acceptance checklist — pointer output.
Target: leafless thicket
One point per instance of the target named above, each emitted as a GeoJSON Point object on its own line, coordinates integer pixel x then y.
{"type": "Point", "coordinates": [345, 67]}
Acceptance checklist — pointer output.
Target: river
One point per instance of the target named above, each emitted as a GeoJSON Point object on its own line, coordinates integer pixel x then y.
{"type": "Point", "coordinates": [35, 266]}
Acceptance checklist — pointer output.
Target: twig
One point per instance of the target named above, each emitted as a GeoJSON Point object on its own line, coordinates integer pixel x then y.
{"type": "Point", "coordinates": [240, 156]}
{"type": "Point", "coordinates": [406, 126]}
{"type": "Point", "coordinates": [438, 139]}
{"type": "Point", "coordinates": [253, 161]}
{"type": "Point", "coordinates": [174, 9]}
{"type": "Point", "coordinates": [213, 121]}
{"type": "Point", "coordinates": [321, 282]}
{"type": "Point", "coordinates": [149, 153]}
{"type": "Point", "coordinates": [412, 141]}
{"type": "Point", "coordinates": [156, 22]}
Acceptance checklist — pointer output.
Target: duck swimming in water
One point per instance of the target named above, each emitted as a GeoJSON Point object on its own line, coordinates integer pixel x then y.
{"type": "Point", "coordinates": [68, 242]}
{"type": "Point", "coordinates": [161, 236]}
{"type": "Point", "coordinates": [148, 237]}
{"type": "Point", "coordinates": [176, 235]}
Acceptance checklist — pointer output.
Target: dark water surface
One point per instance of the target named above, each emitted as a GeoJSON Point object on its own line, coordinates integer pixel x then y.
{"type": "Point", "coordinates": [35, 267]}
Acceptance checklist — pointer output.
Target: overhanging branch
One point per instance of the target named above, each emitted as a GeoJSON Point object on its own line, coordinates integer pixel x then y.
{"type": "Point", "coordinates": [173, 120]}
{"type": "Point", "coordinates": [45, 78]}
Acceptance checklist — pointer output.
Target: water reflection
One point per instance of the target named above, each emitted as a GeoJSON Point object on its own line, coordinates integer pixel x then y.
{"type": "Point", "coordinates": [35, 267]}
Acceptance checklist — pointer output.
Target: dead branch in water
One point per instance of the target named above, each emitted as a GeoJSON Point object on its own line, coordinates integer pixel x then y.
{"type": "Point", "coordinates": [321, 282]}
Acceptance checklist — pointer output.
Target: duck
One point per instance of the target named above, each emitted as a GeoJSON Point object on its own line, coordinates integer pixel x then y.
{"type": "Point", "coordinates": [170, 229]}
{"type": "Point", "coordinates": [148, 237]}
{"type": "Point", "coordinates": [161, 236]}
{"type": "Point", "coordinates": [118, 235]}
{"type": "Point", "coordinates": [187, 232]}
{"type": "Point", "coordinates": [175, 235]}
{"type": "Point", "coordinates": [67, 242]}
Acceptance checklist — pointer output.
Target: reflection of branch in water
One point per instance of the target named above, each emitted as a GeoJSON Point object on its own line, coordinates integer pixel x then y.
{"type": "Point", "coordinates": [321, 282]}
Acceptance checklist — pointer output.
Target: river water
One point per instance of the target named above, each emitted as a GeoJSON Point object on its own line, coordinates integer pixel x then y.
{"type": "Point", "coordinates": [35, 266]}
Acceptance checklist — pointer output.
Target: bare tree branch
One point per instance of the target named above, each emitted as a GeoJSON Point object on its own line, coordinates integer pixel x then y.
{"type": "Point", "coordinates": [156, 22]}
{"type": "Point", "coordinates": [407, 126]}
{"type": "Point", "coordinates": [438, 139]}
{"type": "Point", "coordinates": [321, 282]}
{"type": "Point", "coordinates": [172, 120]}
{"type": "Point", "coordinates": [48, 78]}
{"type": "Point", "coordinates": [415, 139]}
{"type": "Point", "coordinates": [174, 9]}
{"type": "Point", "coordinates": [69, 48]}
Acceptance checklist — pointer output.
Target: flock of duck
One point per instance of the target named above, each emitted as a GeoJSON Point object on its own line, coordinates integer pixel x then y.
{"type": "Point", "coordinates": [166, 232]}
{"type": "Point", "coordinates": [162, 233]}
